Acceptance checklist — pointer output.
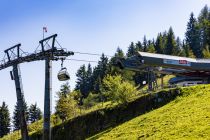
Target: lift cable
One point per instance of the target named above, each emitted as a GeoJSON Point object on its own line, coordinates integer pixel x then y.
{"type": "Point", "coordinates": [82, 60]}
{"type": "Point", "coordinates": [84, 53]}
{"type": "Point", "coordinates": [58, 44]}
{"type": "Point", "coordinates": [37, 48]}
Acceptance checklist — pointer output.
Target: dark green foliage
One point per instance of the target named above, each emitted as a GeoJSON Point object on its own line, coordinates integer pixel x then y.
{"type": "Point", "coordinates": [139, 46]}
{"type": "Point", "coordinates": [171, 47]}
{"type": "Point", "coordinates": [16, 116]}
{"type": "Point", "coordinates": [112, 69]}
{"type": "Point", "coordinates": [179, 46]}
{"type": "Point", "coordinates": [35, 113]}
{"type": "Point", "coordinates": [119, 53]}
{"type": "Point", "coordinates": [187, 51]}
{"type": "Point", "coordinates": [4, 120]}
{"type": "Point", "coordinates": [151, 47]}
{"type": "Point", "coordinates": [102, 67]}
{"type": "Point", "coordinates": [65, 89]}
{"type": "Point", "coordinates": [192, 36]}
{"type": "Point", "coordinates": [198, 33]}
{"type": "Point", "coordinates": [89, 78]}
{"type": "Point", "coordinates": [159, 44]}
{"type": "Point", "coordinates": [131, 50]}
{"type": "Point", "coordinates": [204, 27]}
{"type": "Point", "coordinates": [139, 77]}
{"type": "Point", "coordinates": [204, 14]}
{"type": "Point", "coordinates": [145, 44]}
{"type": "Point", "coordinates": [82, 81]}
{"type": "Point", "coordinates": [100, 72]}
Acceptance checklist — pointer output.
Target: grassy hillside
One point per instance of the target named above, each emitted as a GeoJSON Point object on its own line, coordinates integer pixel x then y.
{"type": "Point", "coordinates": [187, 117]}
{"type": "Point", "coordinates": [36, 128]}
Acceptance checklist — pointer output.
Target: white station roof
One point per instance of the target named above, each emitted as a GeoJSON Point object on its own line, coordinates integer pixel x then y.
{"type": "Point", "coordinates": [163, 56]}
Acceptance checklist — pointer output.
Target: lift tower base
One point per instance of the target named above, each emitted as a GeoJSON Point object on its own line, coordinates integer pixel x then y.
{"type": "Point", "coordinates": [20, 101]}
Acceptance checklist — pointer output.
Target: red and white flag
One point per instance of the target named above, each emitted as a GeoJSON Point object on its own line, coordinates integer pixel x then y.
{"type": "Point", "coordinates": [45, 29]}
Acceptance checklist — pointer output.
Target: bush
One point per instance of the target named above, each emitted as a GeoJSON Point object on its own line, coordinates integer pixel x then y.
{"type": "Point", "coordinates": [91, 100]}
{"type": "Point", "coordinates": [117, 90]}
{"type": "Point", "coordinates": [66, 107]}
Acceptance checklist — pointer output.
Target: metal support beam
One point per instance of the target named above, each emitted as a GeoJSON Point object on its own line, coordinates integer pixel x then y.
{"type": "Point", "coordinates": [47, 99]}
{"type": "Point", "coordinates": [20, 99]}
{"type": "Point", "coordinates": [149, 79]}
{"type": "Point", "coordinates": [162, 86]}
{"type": "Point", "coordinates": [47, 39]}
{"type": "Point", "coordinates": [12, 50]}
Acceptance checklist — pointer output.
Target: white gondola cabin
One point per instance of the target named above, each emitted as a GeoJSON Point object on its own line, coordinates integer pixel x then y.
{"type": "Point", "coordinates": [63, 75]}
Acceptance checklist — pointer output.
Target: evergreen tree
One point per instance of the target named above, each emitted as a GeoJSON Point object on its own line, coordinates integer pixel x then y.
{"type": "Point", "coordinates": [66, 105]}
{"type": "Point", "coordinates": [182, 50]}
{"type": "Point", "coordinates": [4, 120]}
{"type": "Point", "coordinates": [151, 47]}
{"type": "Point", "coordinates": [187, 52]}
{"type": "Point", "coordinates": [89, 78]}
{"type": "Point", "coordinates": [16, 116]}
{"type": "Point", "coordinates": [145, 44]}
{"type": "Point", "coordinates": [100, 72]}
{"type": "Point", "coordinates": [81, 83]}
{"type": "Point", "coordinates": [103, 66]}
{"type": "Point", "coordinates": [97, 84]}
{"type": "Point", "coordinates": [165, 36]}
{"type": "Point", "coordinates": [159, 44]}
{"type": "Point", "coordinates": [171, 47]}
{"type": "Point", "coordinates": [131, 50]}
{"type": "Point", "coordinates": [204, 27]}
{"type": "Point", "coordinates": [35, 113]}
{"type": "Point", "coordinates": [179, 46]}
{"type": "Point", "coordinates": [139, 46]}
{"type": "Point", "coordinates": [96, 80]}
{"type": "Point", "coordinates": [65, 89]}
{"type": "Point", "coordinates": [119, 53]}
{"type": "Point", "coordinates": [113, 69]}
{"type": "Point", "coordinates": [192, 36]}
{"type": "Point", "coordinates": [204, 14]}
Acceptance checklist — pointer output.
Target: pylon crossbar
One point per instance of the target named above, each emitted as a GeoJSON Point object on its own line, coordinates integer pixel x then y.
{"type": "Point", "coordinates": [53, 54]}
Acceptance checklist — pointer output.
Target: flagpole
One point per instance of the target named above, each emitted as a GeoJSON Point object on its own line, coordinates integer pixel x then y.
{"type": "Point", "coordinates": [43, 32]}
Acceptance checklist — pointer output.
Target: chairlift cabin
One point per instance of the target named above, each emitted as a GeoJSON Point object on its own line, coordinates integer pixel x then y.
{"type": "Point", "coordinates": [63, 75]}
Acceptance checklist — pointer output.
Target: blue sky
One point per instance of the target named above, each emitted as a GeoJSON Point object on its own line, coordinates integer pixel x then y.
{"type": "Point", "coordinates": [95, 26]}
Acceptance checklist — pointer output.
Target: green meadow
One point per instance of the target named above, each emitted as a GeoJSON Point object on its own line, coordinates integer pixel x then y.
{"type": "Point", "coordinates": [186, 117]}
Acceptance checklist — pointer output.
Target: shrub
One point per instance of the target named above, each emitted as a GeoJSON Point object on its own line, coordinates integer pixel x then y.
{"type": "Point", "coordinates": [117, 90]}
{"type": "Point", "coordinates": [91, 100]}
{"type": "Point", "coordinates": [66, 107]}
